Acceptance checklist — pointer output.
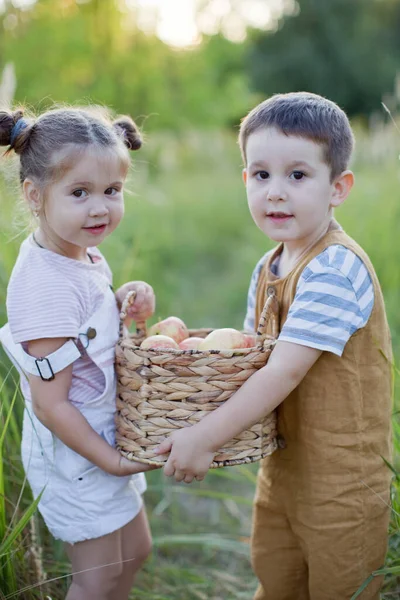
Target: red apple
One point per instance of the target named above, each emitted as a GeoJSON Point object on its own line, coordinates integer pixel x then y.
{"type": "Point", "coordinates": [173, 327]}
{"type": "Point", "coordinates": [223, 339]}
{"type": "Point", "coordinates": [251, 340]}
{"type": "Point", "coordinates": [191, 343]}
{"type": "Point", "coordinates": [156, 342]}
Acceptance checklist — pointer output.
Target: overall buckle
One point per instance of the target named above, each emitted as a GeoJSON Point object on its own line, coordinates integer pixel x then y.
{"type": "Point", "coordinates": [48, 365]}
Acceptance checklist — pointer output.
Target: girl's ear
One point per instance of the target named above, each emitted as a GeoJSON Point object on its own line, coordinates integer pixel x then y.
{"type": "Point", "coordinates": [32, 195]}
{"type": "Point", "coordinates": [244, 176]}
{"type": "Point", "coordinates": [341, 188]}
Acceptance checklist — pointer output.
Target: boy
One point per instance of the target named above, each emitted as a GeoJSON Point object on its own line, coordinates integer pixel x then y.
{"type": "Point", "coordinates": [322, 503]}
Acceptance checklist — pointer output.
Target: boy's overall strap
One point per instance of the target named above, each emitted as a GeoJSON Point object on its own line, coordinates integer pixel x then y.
{"type": "Point", "coordinates": [47, 366]}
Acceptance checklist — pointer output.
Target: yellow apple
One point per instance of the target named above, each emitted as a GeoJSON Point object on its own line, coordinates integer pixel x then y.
{"type": "Point", "coordinates": [223, 339]}
{"type": "Point", "coordinates": [173, 327]}
{"type": "Point", "coordinates": [156, 342]}
{"type": "Point", "coordinates": [191, 343]}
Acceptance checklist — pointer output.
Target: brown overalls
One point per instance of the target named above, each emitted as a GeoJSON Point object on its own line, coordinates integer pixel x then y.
{"type": "Point", "coordinates": [322, 503]}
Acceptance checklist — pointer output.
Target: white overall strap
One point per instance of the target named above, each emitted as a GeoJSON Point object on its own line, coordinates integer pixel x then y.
{"type": "Point", "coordinates": [47, 366]}
{"type": "Point", "coordinates": [44, 367]}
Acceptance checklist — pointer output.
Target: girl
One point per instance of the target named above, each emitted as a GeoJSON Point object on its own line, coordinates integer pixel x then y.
{"type": "Point", "coordinates": [62, 330]}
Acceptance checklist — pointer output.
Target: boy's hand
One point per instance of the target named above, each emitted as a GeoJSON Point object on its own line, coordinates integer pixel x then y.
{"type": "Point", "coordinates": [190, 457]}
{"type": "Point", "coordinates": [144, 304]}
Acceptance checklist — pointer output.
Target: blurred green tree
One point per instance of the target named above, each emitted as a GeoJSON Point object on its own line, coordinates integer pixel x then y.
{"type": "Point", "coordinates": [96, 53]}
{"type": "Point", "coordinates": [93, 51]}
{"type": "Point", "coordinates": [347, 51]}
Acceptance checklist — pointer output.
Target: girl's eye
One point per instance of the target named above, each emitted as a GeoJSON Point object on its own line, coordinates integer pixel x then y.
{"type": "Point", "coordinates": [79, 193]}
{"type": "Point", "coordinates": [111, 191]}
{"type": "Point", "coordinates": [262, 175]}
{"type": "Point", "coordinates": [298, 175]}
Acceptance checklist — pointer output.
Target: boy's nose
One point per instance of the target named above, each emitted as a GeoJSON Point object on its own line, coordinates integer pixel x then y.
{"type": "Point", "coordinates": [276, 194]}
{"type": "Point", "coordinates": [276, 189]}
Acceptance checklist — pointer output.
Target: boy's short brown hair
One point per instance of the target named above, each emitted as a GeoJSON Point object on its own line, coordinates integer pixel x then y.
{"type": "Point", "coordinates": [305, 115]}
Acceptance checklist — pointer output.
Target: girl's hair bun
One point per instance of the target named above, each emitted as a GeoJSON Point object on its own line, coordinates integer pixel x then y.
{"type": "Point", "coordinates": [14, 130]}
{"type": "Point", "coordinates": [129, 131]}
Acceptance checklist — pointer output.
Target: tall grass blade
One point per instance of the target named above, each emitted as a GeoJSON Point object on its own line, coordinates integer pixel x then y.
{"type": "Point", "coordinates": [19, 527]}
{"type": "Point", "coordinates": [363, 587]}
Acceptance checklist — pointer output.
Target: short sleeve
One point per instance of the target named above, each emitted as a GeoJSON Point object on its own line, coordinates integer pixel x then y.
{"type": "Point", "coordinates": [43, 303]}
{"type": "Point", "coordinates": [249, 321]}
{"type": "Point", "coordinates": [334, 298]}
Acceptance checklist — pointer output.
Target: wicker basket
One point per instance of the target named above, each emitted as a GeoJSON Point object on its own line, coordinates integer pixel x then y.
{"type": "Point", "coordinates": [160, 391]}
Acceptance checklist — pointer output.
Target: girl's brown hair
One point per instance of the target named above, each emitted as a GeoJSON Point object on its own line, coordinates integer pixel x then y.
{"type": "Point", "coordinates": [39, 141]}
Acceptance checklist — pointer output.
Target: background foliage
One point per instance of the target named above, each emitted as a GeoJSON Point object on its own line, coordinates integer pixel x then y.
{"type": "Point", "coordinates": [187, 231]}
{"type": "Point", "coordinates": [347, 51]}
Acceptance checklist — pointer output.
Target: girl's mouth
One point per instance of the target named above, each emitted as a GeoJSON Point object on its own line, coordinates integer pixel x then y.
{"type": "Point", "coordinates": [97, 230]}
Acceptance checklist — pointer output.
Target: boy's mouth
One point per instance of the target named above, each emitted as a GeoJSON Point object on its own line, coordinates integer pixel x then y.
{"type": "Point", "coordinates": [279, 217]}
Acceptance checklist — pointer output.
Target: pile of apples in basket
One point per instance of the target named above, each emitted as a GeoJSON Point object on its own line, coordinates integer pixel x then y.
{"type": "Point", "coordinates": [173, 333]}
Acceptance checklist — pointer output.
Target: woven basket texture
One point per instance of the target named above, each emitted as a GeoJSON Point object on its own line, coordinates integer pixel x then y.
{"type": "Point", "coordinates": [160, 391]}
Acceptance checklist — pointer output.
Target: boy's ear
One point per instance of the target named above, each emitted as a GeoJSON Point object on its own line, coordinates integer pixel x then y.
{"type": "Point", "coordinates": [244, 176]}
{"type": "Point", "coordinates": [32, 194]}
{"type": "Point", "coordinates": [341, 188]}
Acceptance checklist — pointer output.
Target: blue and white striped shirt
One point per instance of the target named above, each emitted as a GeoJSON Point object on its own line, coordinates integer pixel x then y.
{"type": "Point", "coordinates": [334, 298]}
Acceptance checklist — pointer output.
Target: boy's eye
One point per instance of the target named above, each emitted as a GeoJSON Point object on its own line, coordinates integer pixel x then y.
{"type": "Point", "coordinates": [79, 193]}
{"type": "Point", "coordinates": [298, 175]}
{"type": "Point", "coordinates": [262, 175]}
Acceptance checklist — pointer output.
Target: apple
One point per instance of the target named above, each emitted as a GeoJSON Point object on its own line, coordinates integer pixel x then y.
{"type": "Point", "coordinates": [251, 340]}
{"type": "Point", "coordinates": [223, 339]}
{"type": "Point", "coordinates": [156, 342]}
{"type": "Point", "coordinates": [191, 343]}
{"type": "Point", "coordinates": [173, 327]}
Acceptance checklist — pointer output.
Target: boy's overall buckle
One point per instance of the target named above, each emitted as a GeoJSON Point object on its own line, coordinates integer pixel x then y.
{"type": "Point", "coordinates": [48, 366]}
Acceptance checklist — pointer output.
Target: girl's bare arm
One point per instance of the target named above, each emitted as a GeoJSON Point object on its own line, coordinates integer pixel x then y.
{"type": "Point", "coordinates": [52, 407]}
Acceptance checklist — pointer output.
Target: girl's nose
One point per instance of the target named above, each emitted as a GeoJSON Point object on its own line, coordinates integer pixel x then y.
{"type": "Point", "coordinates": [98, 209]}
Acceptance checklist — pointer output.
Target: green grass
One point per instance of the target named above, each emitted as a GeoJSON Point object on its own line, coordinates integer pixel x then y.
{"type": "Point", "coordinates": [187, 231]}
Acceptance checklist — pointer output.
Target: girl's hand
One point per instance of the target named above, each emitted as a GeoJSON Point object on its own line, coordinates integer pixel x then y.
{"type": "Point", "coordinates": [144, 304]}
{"type": "Point", "coordinates": [190, 457]}
{"type": "Point", "coordinates": [128, 467]}
{"type": "Point", "coordinates": [121, 466]}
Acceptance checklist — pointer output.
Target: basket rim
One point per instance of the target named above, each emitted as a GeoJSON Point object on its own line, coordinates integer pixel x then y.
{"type": "Point", "coordinates": [228, 352]}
